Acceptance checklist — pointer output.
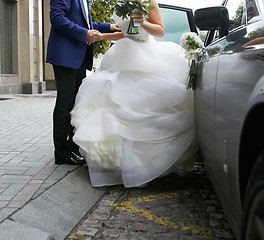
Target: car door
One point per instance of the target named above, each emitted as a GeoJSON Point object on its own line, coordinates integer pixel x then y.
{"type": "Point", "coordinates": [213, 111]}
{"type": "Point", "coordinates": [230, 95]}
{"type": "Point", "coordinates": [240, 68]}
{"type": "Point", "coordinates": [176, 21]}
{"type": "Point", "coordinates": [204, 102]}
{"type": "Point", "coordinates": [213, 99]}
{"type": "Point", "coordinates": [230, 68]}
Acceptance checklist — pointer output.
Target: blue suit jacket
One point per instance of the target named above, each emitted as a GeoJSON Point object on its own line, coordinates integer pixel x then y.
{"type": "Point", "coordinates": [67, 45]}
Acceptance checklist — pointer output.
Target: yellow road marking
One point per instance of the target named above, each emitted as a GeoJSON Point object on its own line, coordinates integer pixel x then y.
{"type": "Point", "coordinates": [129, 207]}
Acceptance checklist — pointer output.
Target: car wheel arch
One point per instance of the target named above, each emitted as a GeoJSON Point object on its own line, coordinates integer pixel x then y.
{"type": "Point", "coordinates": [253, 208]}
{"type": "Point", "coordinates": [250, 145]}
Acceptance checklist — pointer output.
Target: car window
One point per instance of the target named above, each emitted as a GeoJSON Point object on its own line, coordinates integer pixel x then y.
{"type": "Point", "coordinates": [235, 11]}
{"type": "Point", "coordinates": [236, 16]}
{"type": "Point", "coordinates": [176, 21]}
{"type": "Point", "coordinates": [252, 10]}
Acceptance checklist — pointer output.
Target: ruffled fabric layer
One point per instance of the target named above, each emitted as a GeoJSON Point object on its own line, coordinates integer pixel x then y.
{"type": "Point", "coordinates": [133, 118]}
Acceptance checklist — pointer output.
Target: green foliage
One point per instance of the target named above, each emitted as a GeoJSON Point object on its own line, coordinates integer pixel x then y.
{"type": "Point", "coordinates": [191, 42]}
{"type": "Point", "coordinates": [259, 32]}
{"type": "Point", "coordinates": [125, 7]}
{"type": "Point", "coordinates": [101, 11]}
{"type": "Point", "coordinates": [239, 13]}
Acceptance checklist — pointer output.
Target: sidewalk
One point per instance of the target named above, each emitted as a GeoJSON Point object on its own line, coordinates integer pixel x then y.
{"type": "Point", "coordinates": [38, 199]}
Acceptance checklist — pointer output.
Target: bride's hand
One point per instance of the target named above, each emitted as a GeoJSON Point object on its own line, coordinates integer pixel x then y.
{"type": "Point", "coordinates": [92, 36]}
{"type": "Point", "coordinates": [138, 16]}
{"type": "Point", "coordinates": [99, 35]}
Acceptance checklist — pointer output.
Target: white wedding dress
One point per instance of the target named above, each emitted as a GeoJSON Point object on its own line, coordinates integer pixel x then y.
{"type": "Point", "coordinates": [133, 117]}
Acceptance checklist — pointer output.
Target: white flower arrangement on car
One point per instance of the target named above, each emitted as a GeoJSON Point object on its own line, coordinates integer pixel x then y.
{"type": "Point", "coordinates": [125, 8]}
{"type": "Point", "coordinates": [192, 45]}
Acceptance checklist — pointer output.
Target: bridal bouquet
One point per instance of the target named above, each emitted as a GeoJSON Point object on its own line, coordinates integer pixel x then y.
{"type": "Point", "coordinates": [124, 8]}
{"type": "Point", "coordinates": [192, 45]}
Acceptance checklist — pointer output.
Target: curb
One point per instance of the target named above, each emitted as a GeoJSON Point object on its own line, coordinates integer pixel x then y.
{"type": "Point", "coordinates": [54, 213]}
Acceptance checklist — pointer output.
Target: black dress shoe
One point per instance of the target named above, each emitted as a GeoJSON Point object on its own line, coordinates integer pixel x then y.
{"type": "Point", "coordinates": [75, 159]}
{"type": "Point", "coordinates": [77, 155]}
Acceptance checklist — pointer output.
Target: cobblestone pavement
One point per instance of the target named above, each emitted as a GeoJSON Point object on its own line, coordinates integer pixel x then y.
{"type": "Point", "coordinates": [173, 207]}
{"type": "Point", "coordinates": [26, 150]}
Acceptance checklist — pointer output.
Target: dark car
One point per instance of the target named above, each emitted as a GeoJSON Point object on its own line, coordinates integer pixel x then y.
{"type": "Point", "coordinates": [229, 110]}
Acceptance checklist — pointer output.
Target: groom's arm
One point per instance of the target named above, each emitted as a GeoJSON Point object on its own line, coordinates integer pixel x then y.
{"type": "Point", "coordinates": [106, 27]}
{"type": "Point", "coordinates": [101, 27]}
{"type": "Point", "coordinates": [59, 10]}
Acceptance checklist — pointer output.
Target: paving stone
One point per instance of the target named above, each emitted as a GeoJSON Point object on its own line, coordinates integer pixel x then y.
{"type": "Point", "coordinates": [11, 230]}
{"type": "Point", "coordinates": [17, 177]}
{"type": "Point", "coordinates": [6, 212]}
{"type": "Point", "coordinates": [182, 207]}
{"type": "Point", "coordinates": [139, 226]}
{"type": "Point", "coordinates": [42, 189]}
{"type": "Point", "coordinates": [6, 197]}
{"type": "Point", "coordinates": [27, 192]}
{"type": "Point", "coordinates": [13, 189]}
{"type": "Point", "coordinates": [58, 173]}
{"type": "Point", "coordinates": [45, 172]}
{"type": "Point", "coordinates": [3, 203]}
{"type": "Point", "coordinates": [4, 185]}
{"type": "Point", "coordinates": [2, 172]}
{"type": "Point", "coordinates": [88, 231]}
{"type": "Point", "coordinates": [110, 233]}
{"type": "Point", "coordinates": [33, 171]}
{"type": "Point", "coordinates": [16, 204]}
{"type": "Point", "coordinates": [16, 171]}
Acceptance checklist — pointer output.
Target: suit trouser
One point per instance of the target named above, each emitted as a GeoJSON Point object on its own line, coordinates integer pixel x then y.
{"type": "Point", "coordinates": [68, 81]}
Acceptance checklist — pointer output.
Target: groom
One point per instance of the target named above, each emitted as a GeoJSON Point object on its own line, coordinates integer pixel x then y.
{"type": "Point", "coordinates": [70, 51]}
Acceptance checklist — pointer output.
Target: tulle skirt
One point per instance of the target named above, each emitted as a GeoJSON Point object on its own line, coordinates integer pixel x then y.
{"type": "Point", "coordinates": [133, 117]}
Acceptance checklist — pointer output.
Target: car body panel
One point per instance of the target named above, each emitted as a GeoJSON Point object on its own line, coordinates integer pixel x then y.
{"type": "Point", "coordinates": [230, 85]}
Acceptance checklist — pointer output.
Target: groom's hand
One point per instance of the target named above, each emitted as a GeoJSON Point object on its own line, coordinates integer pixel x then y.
{"type": "Point", "coordinates": [114, 27]}
{"type": "Point", "coordinates": [92, 36]}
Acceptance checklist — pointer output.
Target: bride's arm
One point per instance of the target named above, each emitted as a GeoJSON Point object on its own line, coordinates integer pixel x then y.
{"type": "Point", "coordinates": [111, 36]}
{"type": "Point", "coordinates": [153, 25]}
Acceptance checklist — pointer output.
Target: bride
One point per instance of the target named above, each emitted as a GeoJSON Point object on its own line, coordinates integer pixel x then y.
{"type": "Point", "coordinates": [133, 117]}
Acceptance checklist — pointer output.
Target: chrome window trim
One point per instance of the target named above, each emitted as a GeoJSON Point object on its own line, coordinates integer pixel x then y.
{"type": "Point", "coordinates": [260, 6]}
